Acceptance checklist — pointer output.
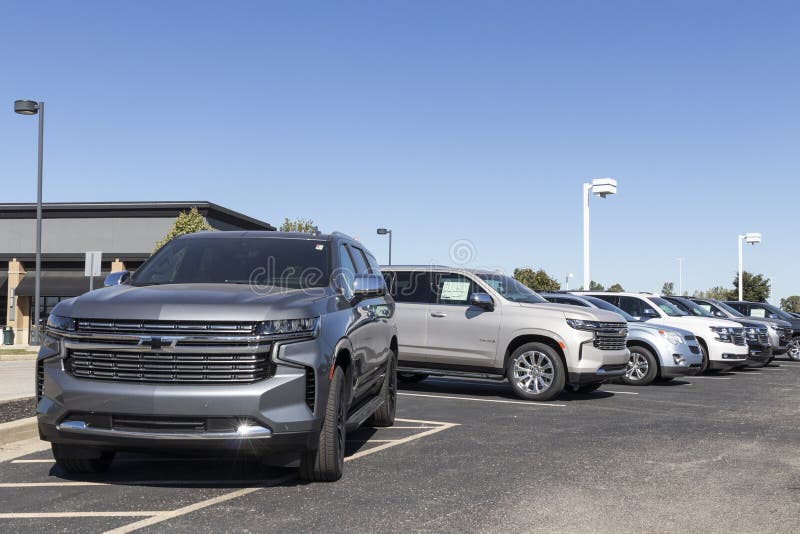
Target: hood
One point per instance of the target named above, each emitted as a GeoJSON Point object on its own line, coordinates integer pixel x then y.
{"type": "Point", "coordinates": [196, 302]}
{"type": "Point", "coordinates": [652, 326]}
{"type": "Point", "coordinates": [578, 312]}
{"type": "Point", "coordinates": [694, 324]}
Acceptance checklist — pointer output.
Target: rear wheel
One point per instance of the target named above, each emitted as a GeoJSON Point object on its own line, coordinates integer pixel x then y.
{"type": "Point", "coordinates": [81, 460]}
{"type": "Point", "coordinates": [536, 372]}
{"type": "Point", "coordinates": [384, 416]}
{"type": "Point", "coordinates": [326, 464]}
{"type": "Point", "coordinates": [642, 367]}
{"type": "Point", "coordinates": [411, 378]}
{"type": "Point", "coordinates": [794, 349]}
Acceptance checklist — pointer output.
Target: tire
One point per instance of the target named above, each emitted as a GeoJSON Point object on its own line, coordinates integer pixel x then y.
{"type": "Point", "coordinates": [81, 461]}
{"type": "Point", "coordinates": [794, 349]}
{"type": "Point", "coordinates": [326, 464]}
{"type": "Point", "coordinates": [411, 378]}
{"type": "Point", "coordinates": [536, 372]}
{"type": "Point", "coordinates": [705, 363]}
{"type": "Point", "coordinates": [384, 416]}
{"type": "Point", "coordinates": [585, 388]}
{"type": "Point", "coordinates": [642, 367]}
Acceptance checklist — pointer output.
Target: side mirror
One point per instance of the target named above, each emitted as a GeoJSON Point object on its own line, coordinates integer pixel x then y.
{"type": "Point", "coordinates": [369, 285]}
{"type": "Point", "coordinates": [117, 278]}
{"type": "Point", "coordinates": [649, 313]}
{"type": "Point", "coordinates": [482, 300]}
{"type": "Point", "coordinates": [718, 313]}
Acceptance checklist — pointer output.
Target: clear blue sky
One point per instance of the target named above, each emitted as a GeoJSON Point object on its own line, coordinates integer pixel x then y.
{"type": "Point", "coordinates": [441, 120]}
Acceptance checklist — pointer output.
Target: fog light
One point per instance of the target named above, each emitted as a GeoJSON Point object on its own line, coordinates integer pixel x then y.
{"type": "Point", "coordinates": [678, 359]}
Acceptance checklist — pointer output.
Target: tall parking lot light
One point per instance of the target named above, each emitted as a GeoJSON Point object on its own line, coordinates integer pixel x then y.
{"type": "Point", "coordinates": [385, 231]}
{"type": "Point", "coordinates": [30, 107]}
{"type": "Point", "coordinates": [601, 187]}
{"type": "Point", "coordinates": [566, 278]}
{"type": "Point", "coordinates": [680, 276]}
{"type": "Point", "coordinates": [752, 238]}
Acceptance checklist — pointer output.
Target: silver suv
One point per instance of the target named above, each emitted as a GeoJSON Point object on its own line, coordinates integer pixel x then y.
{"type": "Point", "coordinates": [269, 343]}
{"type": "Point", "coordinates": [484, 324]}
{"type": "Point", "coordinates": [657, 352]}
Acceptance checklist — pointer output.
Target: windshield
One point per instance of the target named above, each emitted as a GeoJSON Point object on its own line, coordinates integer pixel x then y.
{"type": "Point", "coordinates": [261, 261]}
{"type": "Point", "coordinates": [510, 289]}
{"type": "Point", "coordinates": [779, 313]}
{"type": "Point", "coordinates": [667, 307]}
{"type": "Point", "coordinates": [732, 311]}
{"type": "Point", "coordinates": [603, 305]}
{"type": "Point", "coordinates": [693, 308]}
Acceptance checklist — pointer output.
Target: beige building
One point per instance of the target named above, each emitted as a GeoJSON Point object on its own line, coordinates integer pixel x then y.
{"type": "Point", "coordinates": [125, 232]}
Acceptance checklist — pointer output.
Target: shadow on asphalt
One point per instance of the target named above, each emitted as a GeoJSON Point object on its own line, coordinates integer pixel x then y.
{"type": "Point", "coordinates": [241, 469]}
{"type": "Point", "coordinates": [489, 389]}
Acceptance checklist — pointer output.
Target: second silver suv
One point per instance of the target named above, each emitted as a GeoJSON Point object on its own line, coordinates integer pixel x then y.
{"type": "Point", "coordinates": [484, 324]}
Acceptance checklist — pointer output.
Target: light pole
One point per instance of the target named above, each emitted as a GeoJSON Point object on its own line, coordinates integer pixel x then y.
{"type": "Point", "coordinates": [570, 275]}
{"type": "Point", "coordinates": [680, 276]}
{"type": "Point", "coordinates": [384, 231]}
{"type": "Point", "coordinates": [30, 107]}
{"type": "Point", "coordinates": [601, 187]}
{"type": "Point", "coordinates": [752, 238]}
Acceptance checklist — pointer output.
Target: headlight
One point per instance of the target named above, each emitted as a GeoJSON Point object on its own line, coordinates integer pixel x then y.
{"type": "Point", "coordinates": [289, 327]}
{"type": "Point", "coordinates": [580, 324]}
{"type": "Point", "coordinates": [724, 334]}
{"type": "Point", "coordinates": [57, 322]}
{"type": "Point", "coordinates": [672, 337]}
{"type": "Point", "coordinates": [778, 328]}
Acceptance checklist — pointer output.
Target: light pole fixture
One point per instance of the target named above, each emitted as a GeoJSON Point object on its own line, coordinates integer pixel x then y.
{"type": "Point", "coordinates": [601, 187]}
{"type": "Point", "coordinates": [31, 107]}
{"type": "Point", "coordinates": [752, 238]}
{"type": "Point", "coordinates": [566, 278]}
{"type": "Point", "coordinates": [385, 231]}
{"type": "Point", "coordinates": [680, 276]}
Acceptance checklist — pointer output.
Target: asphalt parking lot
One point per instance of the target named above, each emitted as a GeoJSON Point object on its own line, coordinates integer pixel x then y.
{"type": "Point", "coordinates": [716, 453]}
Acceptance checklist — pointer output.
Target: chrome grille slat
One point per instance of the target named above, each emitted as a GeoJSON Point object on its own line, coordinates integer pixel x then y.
{"type": "Point", "coordinates": [611, 336]}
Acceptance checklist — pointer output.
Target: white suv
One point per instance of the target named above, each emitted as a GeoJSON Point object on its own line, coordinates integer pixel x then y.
{"type": "Point", "coordinates": [722, 342]}
{"type": "Point", "coordinates": [483, 324]}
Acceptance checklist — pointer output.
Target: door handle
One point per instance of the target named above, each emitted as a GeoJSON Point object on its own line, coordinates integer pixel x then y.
{"type": "Point", "coordinates": [438, 314]}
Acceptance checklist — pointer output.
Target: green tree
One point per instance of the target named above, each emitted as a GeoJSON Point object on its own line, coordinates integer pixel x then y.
{"type": "Point", "coordinates": [594, 286]}
{"type": "Point", "coordinates": [719, 293]}
{"type": "Point", "coordinates": [616, 288]}
{"type": "Point", "coordinates": [187, 222]}
{"type": "Point", "coordinates": [755, 288]}
{"type": "Point", "coordinates": [791, 304]}
{"type": "Point", "coordinates": [536, 280]}
{"type": "Point", "coordinates": [668, 289]}
{"type": "Point", "coordinates": [305, 226]}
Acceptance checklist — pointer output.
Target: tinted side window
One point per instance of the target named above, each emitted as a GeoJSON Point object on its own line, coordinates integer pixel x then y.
{"type": "Point", "coordinates": [611, 299]}
{"type": "Point", "coordinates": [373, 263]}
{"type": "Point", "coordinates": [359, 260]}
{"type": "Point", "coordinates": [410, 286]}
{"type": "Point", "coordinates": [758, 311]}
{"type": "Point", "coordinates": [453, 288]}
{"type": "Point", "coordinates": [632, 305]}
{"type": "Point", "coordinates": [575, 302]}
{"type": "Point", "coordinates": [345, 274]}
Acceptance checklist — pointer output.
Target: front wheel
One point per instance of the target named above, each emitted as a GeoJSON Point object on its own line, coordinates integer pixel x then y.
{"type": "Point", "coordinates": [536, 372]}
{"type": "Point", "coordinates": [642, 367]}
{"type": "Point", "coordinates": [326, 464]}
{"type": "Point", "coordinates": [705, 362]}
{"type": "Point", "coordinates": [794, 349]}
{"type": "Point", "coordinates": [81, 460]}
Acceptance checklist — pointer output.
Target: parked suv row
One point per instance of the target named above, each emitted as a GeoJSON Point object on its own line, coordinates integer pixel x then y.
{"type": "Point", "coordinates": [483, 324]}
{"type": "Point", "coordinates": [768, 311]}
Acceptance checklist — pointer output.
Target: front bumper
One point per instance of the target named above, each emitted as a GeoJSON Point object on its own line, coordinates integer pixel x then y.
{"type": "Point", "coordinates": [268, 416]}
{"type": "Point", "coordinates": [679, 360]}
{"type": "Point", "coordinates": [597, 366]}
{"type": "Point", "coordinates": [759, 354]}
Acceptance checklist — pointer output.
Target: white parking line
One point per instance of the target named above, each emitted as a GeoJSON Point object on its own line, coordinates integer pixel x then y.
{"type": "Point", "coordinates": [526, 403]}
{"type": "Point", "coordinates": [747, 373]}
{"type": "Point", "coordinates": [45, 515]}
{"type": "Point", "coordinates": [154, 517]}
{"type": "Point", "coordinates": [620, 392]}
{"type": "Point", "coordinates": [710, 377]}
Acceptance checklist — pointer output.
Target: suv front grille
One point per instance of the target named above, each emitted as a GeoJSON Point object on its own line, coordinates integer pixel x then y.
{"type": "Point", "coordinates": [786, 335]}
{"type": "Point", "coordinates": [611, 336]}
{"type": "Point", "coordinates": [738, 336]}
{"type": "Point", "coordinates": [159, 367]}
{"type": "Point", "coordinates": [164, 327]}
{"type": "Point", "coordinates": [763, 336]}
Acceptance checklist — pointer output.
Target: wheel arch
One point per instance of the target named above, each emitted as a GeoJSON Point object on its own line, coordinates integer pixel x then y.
{"type": "Point", "coordinates": [520, 340]}
{"type": "Point", "coordinates": [645, 345]}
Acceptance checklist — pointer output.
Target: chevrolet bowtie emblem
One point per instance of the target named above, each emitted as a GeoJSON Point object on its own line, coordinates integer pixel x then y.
{"type": "Point", "coordinates": [154, 343]}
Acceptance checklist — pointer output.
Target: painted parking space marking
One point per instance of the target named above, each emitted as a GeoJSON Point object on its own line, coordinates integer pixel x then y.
{"type": "Point", "coordinates": [532, 404]}
{"type": "Point", "coordinates": [620, 392]}
{"type": "Point", "coordinates": [153, 517]}
{"type": "Point", "coordinates": [711, 377]}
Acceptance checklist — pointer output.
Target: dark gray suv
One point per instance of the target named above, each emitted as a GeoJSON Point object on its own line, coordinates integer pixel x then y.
{"type": "Point", "coordinates": [264, 342]}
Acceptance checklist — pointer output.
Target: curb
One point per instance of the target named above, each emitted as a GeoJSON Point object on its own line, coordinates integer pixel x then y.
{"type": "Point", "coordinates": [18, 430]}
{"type": "Point", "coordinates": [17, 357]}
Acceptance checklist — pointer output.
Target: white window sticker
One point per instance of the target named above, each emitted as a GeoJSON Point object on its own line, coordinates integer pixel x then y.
{"type": "Point", "coordinates": [319, 247]}
{"type": "Point", "coordinates": [456, 290]}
